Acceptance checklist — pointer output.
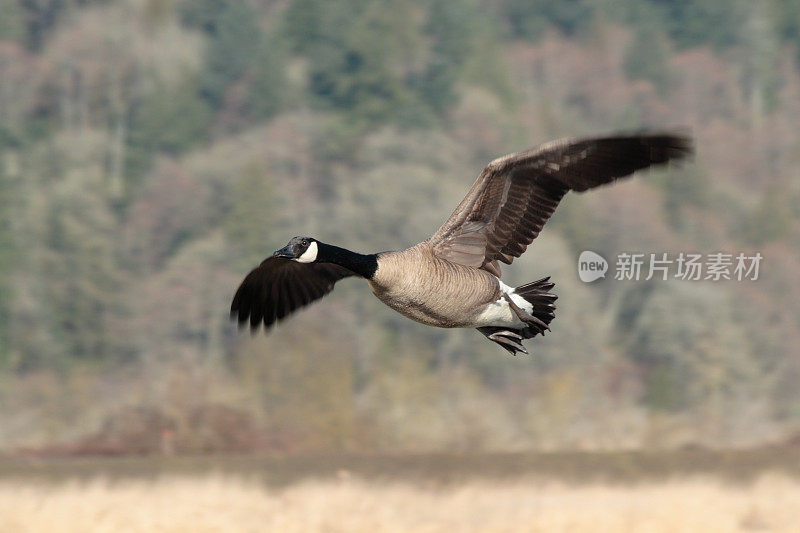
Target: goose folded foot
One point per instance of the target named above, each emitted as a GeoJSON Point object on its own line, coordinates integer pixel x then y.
{"type": "Point", "coordinates": [509, 339]}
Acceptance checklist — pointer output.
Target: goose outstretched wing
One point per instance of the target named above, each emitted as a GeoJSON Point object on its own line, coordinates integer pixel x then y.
{"type": "Point", "coordinates": [278, 287]}
{"type": "Point", "coordinates": [515, 195]}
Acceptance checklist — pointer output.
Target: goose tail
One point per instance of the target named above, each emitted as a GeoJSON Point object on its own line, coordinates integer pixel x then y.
{"type": "Point", "coordinates": [542, 301]}
{"type": "Point", "coordinates": [536, 312]}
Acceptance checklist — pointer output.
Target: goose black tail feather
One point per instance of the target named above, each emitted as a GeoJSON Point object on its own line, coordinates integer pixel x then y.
{"type": "Point", "coordinates": [536, 322]}
{"type": "Point", "coordinates": [538, 294]}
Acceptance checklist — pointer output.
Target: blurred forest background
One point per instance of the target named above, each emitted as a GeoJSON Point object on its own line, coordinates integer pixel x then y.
{"type": "Point", "coordinates": [153, 151]}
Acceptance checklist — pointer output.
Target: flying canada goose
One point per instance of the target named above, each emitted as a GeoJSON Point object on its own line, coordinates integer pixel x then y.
{"type": "Point", "coordinates": [452, 280]}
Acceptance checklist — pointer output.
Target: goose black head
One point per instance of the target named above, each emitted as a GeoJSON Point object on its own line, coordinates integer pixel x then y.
{"type": "Point", "coordinates": [300, 249]}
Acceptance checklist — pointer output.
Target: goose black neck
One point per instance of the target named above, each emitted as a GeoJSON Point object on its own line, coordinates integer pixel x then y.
{"type": "Point", "coordinates": [365, 265]}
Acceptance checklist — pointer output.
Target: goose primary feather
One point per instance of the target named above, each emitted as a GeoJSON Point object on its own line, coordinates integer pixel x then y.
{"type": "Point", "coordinates": [453, 278]}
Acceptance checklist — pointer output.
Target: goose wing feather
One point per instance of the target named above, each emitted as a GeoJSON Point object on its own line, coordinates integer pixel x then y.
{"type": "Point", "coordinates": [278, 287]}
{"type": "Point", "coordinates": [515, 195]}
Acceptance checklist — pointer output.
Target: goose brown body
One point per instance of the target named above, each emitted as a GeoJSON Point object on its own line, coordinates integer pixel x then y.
{"type": "Point", "coordinates": [452, 280]}
{"type": "Point", "coordinates": [433, 291]}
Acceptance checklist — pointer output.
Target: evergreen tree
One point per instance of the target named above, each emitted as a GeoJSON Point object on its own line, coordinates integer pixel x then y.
{"type": "Point", "coordinates": [246, 226]}
{"type": "Point", "coordinates": [233, 45]}
{"type": "Point", "coordinates": [235, 40]}
{"type": "Point", "coordinates": [268, 84]}
{"type": "Point", "coordinates": [169, 120]}
{"type": "Point", "coordinates": [786, 14]}
{"type": "Point", "coordinates": [40, 19]}
{"type": "Point", "coordinates": [306, 25]}
{"type": "Point", "coordinates": [529, 19]}
{"type": "Point", "coordinates": [352, 71]}
{"type": "Point", "coordinates": [203, 14]}
{"type": "Point", "coordinates": [451, 27]}
{"type": "Point", "coordinates": [647, 59]}
{"type": "Point", "coordinates": [694, 23]}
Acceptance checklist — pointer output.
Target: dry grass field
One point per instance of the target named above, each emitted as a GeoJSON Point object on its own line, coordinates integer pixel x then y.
{"type": "Point", "coordinates": [222, 503]}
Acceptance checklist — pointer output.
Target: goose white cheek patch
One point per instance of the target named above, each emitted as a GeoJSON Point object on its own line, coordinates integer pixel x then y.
{"type": "Point", "coordinates": [310, 255]}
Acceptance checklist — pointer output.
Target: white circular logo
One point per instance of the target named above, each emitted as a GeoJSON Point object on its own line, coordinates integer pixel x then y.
{"type": "Point", "coordinates": [591, 266]}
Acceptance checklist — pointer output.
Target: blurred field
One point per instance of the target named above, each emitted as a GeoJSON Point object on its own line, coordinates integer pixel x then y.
{"type": "Point", "coordinates": [686, 490]}
{"type": "Point", "coordinates": [223, 503]}
{"type": "Point", "coordinates": [742, 466]}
